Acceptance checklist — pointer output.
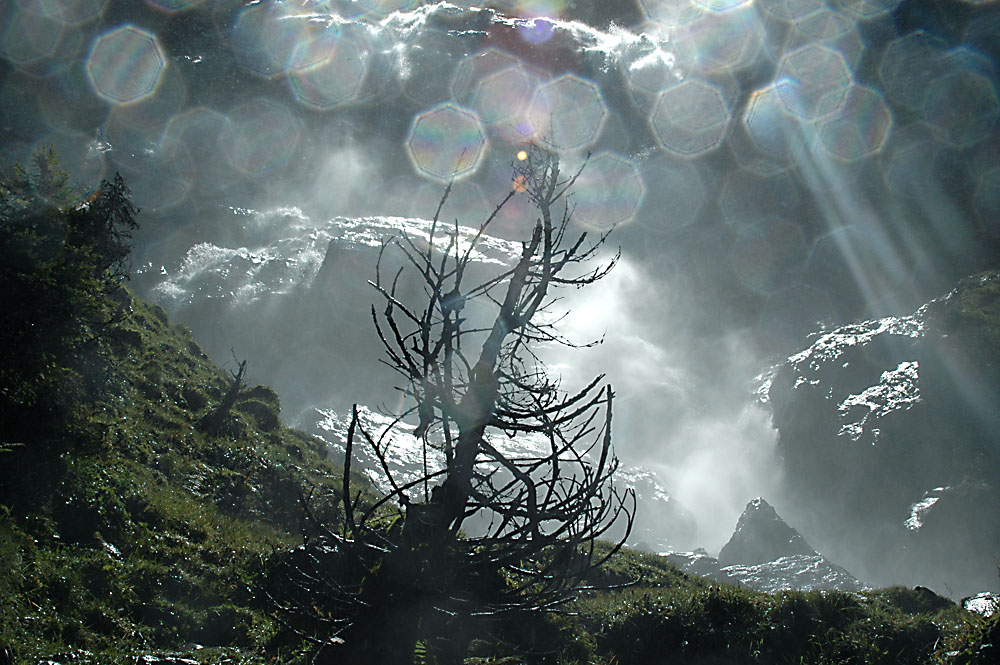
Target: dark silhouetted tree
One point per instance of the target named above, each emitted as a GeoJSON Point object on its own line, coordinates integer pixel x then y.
{"type": "Point", "coordinates": [61, 256]}
{"type": "Point", "coordinates": [106, 225]}
{"type": "Point", "coordinates": [219, 420]}
{"type": "Point", "coordinates": [489, 533]}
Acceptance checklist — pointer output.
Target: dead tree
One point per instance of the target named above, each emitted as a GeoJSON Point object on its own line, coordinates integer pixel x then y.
{"type": "Point", "coordinates": [218, 421]}
{"type": "Point", "coordinates": [470, 380]}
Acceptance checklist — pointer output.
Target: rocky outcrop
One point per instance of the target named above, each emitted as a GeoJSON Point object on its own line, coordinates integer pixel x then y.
{"type": "Point", "coordinates": [800, 571]}
{"type": "Point", "coordinates": [984, 602]}
{"type": "Point", "coordinates": [762, 536]}
{"type": "Point", "coordinates": [889, 437]}
{"type": "Point", "coordinates": [766, 554]}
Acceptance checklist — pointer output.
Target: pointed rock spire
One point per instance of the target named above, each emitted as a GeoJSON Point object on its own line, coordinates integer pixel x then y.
{"type": "Point", "coordinates": [762, 536]}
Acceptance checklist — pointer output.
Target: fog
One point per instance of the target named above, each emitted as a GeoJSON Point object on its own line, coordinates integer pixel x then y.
{"type": "Point", "coordinates": [770, 169]}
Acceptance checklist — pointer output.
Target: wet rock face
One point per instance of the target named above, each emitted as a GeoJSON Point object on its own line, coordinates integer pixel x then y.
{"type": "Point", "coordinates": [890, 440]}
{"type": "Point", "coordinates": [762, 536]}
{"type": "Point", "coordinates": [984, 602]}
{"type": "Point", "coordinates": [661, 522]}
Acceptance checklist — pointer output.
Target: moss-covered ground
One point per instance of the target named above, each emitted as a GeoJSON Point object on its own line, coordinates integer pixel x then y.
{"type": "Point", "coordinates": [143, 531]}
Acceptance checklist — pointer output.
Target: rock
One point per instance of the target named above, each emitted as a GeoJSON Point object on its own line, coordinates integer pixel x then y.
{"type": "Point", "coordinates": [889, 438]}
{"type": "Point", "coordinates": [762, 536]}
{"type": "Point", "coordinates": [765, 554]}
{"type": "Point", "coordinates": [918, 600]}
{"type": "Point", "coordinates": [661, 522]}
{"type": "Point", "coordinates": [984, 602]}
{"type": "Point", "coordinates": [697, 562]}
{"type": "Point", "coordinates": [801, 572]}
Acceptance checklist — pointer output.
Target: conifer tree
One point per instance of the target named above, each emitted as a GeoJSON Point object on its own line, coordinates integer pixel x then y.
{"type": "Point", "coordinates": [376, 596]}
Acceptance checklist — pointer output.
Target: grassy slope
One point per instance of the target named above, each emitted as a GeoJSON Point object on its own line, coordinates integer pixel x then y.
{"type": "Point", "coordinates": [148, 533]}
{"type": "Point", "coordinates": [698, 621]}
{"type": "Point", "coordinates": [150, 536]}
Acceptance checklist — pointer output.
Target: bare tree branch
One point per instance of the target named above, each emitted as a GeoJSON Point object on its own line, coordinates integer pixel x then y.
{"type": "Point", "coordinates": [533, 517]}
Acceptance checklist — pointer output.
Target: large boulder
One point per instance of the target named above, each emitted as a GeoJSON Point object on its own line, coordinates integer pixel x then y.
{"type": "Point", "coordinates": [889, 436]}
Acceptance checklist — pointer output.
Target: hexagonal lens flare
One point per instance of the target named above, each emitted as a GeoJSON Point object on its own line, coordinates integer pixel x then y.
{"type": "Point", "coordinates": [261, 136]}
{"type": "Point", "coordinates": [66, 11]}
{"type": "Point", "coordinates": [503, 96]}
{"type": "Point", "coordinates": [720, 42]}
{"type": "Point", "coordinates": [868, 9]}
{"type": "Point", "coordinates": [860, 129]}
{"type": "Point", "coordinates": [829, 28]}
{"type": "Point", "coordinates": [772, 129]}
{"type": "Point", "coordinates": [961, 108]}
{"type": "Point", "coordinates": [30, 37]}
{"type": "Point", "coordinates": [608, 192]}
{"type": "Point", "coordinates": [690, 118]}
{"type": "Point", "coordinates": [197, 135]}
{"type": "Point", "coordinates": [125, 64]}
{"type": "Point", "coordinates": [669, 13]}
{"type": "Point", "coordinates": [791, 10]}
{"type": "Point", "coordinates": [818, 78]}
{"type": "Point", "coordinates": [265, 35]}
{"type": "Point", "coordinates": [567, 113]}
{"type": "Point", "coordinates": [907, 64]}
{"type": "Point", "coordinates": [476, 67]}
{"type": "Point", "coordinates": [446, 142]}
{"type": "Point", "coordinates": [328, 72]}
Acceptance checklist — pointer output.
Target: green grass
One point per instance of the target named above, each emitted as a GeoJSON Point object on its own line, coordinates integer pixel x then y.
{"type": "Point", "coordinates": [138, 533]}
{"type": "Point", "coordinates": [669, 617]}
{"type": "Point", "coordinates": [147, 534]}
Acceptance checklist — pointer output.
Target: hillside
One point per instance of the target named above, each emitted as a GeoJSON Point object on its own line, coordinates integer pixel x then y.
{"type": "Point", "coordinates": [149, 500]}
{"type": "Point", "coordinates": [144, 532]}
{"type": "Point", "coordinates": [142, 489]}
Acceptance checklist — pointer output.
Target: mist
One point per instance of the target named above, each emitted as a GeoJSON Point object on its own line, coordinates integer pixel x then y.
{"type": "Point", "coordinates": [699, 429]}
{"type": "Point", "coordinates": [767, 169]}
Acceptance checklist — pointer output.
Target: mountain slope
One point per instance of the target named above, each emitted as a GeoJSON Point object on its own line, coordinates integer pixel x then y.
{"type": "Point", "coordinates": [137, 531]}
{"type": "Point", "coordinates": [146, 495]}
{"type": "Point", "coordinates": [888, 435]}
{"type": "Point", "coordinates": [149, 539]}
